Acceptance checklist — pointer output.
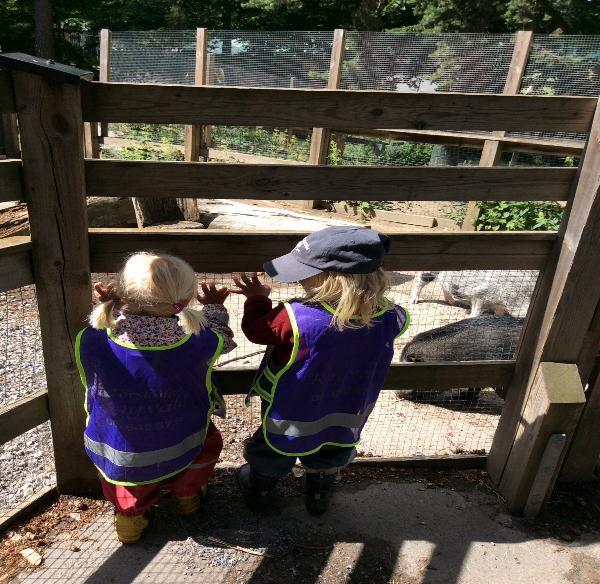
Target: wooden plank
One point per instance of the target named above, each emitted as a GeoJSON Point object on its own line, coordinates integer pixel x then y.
{"type": "Point", "coordinates": [22, 415]}
{"type": "Point", "coordinates": [11, 181]}
{"type": "Point", "coordinates": [582, 458]}
{"type": "Point", "coordinates": [193, 146]}
{"type": "Point", "coordinates": [16, 268]}
{"type": "Point", "coordinates": [27, 507]}
{"type": "Point", "coordinates": [492, 149]}
{"type": "Point", "coordinates": [222, 251]}
{"type": "Point", "coordinates": [90, 139]}
{"type": "Point", "coordinates": [475, 140]}
{"type": "Point", "coordinates": [305, 108]}
{"type": "Point", "coordinates": [553, 406]}
{"type": "Point", "coordinates": [405, 218]}
{"type": "Point", "coordinates": [547, 471]}
{"type": "Point", "coordinates": [565, 300]}
{"type": "Point", "coordinates": [449, 461]}
{"type": "Point", "coordinates": [422, 376]}
{"type": "Point", "coordinates": [51, 138]}
{"type": "Point", "coordinates": [321, 137]}
{"type": "Point", "coordinates": [7, 96]}
{"type": "Point", "coordinates": [146, 178]}
{"type": "Point", "coordinates": [105, 64]}
{"type": "Point", "coordinates": [10, 134]}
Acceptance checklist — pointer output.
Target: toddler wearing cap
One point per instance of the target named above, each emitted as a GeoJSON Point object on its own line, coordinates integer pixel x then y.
{"type": "Point", "coordinates": [327, 358]}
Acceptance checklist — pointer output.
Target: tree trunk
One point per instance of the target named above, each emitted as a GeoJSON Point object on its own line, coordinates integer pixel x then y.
{"type": "Point", "coordinates": [44, 29]}
{"type": "Point", "coordinates": [149, 211]}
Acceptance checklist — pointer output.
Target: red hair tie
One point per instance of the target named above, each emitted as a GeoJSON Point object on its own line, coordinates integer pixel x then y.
{"type": "Point", "coordinates": [178, 307]}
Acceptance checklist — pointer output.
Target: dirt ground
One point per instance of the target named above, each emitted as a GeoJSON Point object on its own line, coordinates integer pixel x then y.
{"type": "Point", "coordinates": [384, 525]}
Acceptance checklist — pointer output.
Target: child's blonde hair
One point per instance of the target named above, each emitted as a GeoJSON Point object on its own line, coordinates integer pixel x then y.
{"type": "Point", "coordinates": [153, 284]}
{"type": "Point", "coordinates": [355, 297]}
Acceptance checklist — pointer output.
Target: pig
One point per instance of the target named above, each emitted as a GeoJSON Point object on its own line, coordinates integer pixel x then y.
{"type": "Point", "coordinates": [500, 291]}
{"type": "Point", "coordinates": [481, 338]}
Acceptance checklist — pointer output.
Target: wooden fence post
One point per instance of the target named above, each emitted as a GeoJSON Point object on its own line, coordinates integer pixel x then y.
{"type": "Point", "coordinates": [194, 143]}
{"type": "Point", "coordinates": [561, 314]}
{"type": "Point", "coordinates": [553, 406]}
{"type": "Point", "coordinates": [10, 134]}
{"type": "Point", "coordinates": [90, 140]}
{"type": "Point", "coordinates": [105, 63]}
{"type": "Point", "coordinates": [492, 149]}
{"type": "Point", "coordinates": [51, 128]}
{"type": "Point", "coordinates": [319, 143]}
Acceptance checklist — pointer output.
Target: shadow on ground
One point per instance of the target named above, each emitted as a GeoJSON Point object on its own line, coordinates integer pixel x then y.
{"type": "Point", "coordinates": [385, 525]}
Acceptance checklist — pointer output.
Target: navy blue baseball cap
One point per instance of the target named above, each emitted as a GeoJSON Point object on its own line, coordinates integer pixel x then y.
{"type": "Point", "coordinates": [350, 250]}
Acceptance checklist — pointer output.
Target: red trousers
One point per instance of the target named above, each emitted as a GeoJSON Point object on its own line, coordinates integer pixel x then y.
{"type": "Point", "coordinates": [137, 500]}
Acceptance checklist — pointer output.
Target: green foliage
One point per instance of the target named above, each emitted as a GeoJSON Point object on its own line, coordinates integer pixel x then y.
{"type": "Point", "coordinates": [519, 216]}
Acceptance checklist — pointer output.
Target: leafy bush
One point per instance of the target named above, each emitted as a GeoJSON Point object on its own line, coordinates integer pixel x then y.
{"type": "Point", "coordinates": [518, 216]}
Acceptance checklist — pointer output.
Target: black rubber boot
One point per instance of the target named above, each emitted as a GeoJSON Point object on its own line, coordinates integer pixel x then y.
{"type": "Point", "coordinates": [318, 488]}
{"type": "Point", "coordinates": [256, 489]}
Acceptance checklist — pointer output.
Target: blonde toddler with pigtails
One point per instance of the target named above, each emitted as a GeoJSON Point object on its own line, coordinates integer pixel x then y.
{"type": "Point", "coordinates": [146, 363]}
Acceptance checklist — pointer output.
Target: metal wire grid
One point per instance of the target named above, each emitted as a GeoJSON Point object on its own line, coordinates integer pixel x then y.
{"type": "Point", "coordinates": [411, 62]}
{"type": "Point", "coordinates": [270, 58]}
{"type": "Point", "coordinates": [26, 466]}
{"type": "Point", "coordinates": [21, 361]}
{"type": "Point", "coordinates": [405, 423]}
{"type": "Point", "coordinates": [563, 65]}
{"type": "Point", "coordinates": [153, 56]}
{"type": "Point", "coordinates": [27, 461]}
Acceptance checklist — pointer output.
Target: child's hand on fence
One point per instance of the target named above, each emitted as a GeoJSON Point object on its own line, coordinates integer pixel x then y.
{"type": "Point", "coordinates": [250, 285]}
{"type": "Point", "coordinates": [211, 294]}
{"type": "Point", "coordinates": [106, 293]}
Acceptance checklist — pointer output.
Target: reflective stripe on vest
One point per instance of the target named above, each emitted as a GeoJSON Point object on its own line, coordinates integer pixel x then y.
{"type": "Point", "coordinates": [298, 429]}
{"type": "Point", "coordinates": [138, 459]}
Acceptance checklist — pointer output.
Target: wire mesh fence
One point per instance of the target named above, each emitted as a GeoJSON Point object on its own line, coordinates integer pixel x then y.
{"type": "Point", "coordinates": [404, 423]}
{"type": "Point", "coordinates": [411, 423]}
{"type": "Point", "coordinates": [27, 461]}
{"type": "Point", "coordinates": [406, 62]}
{"type": "Point", "coordinates": [21, 364]}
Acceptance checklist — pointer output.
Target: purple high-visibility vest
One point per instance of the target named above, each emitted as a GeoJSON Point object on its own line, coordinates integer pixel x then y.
{"type": "Point", "coordinates": [148, 408]}
{"type": "Point", "coordinates": [327, 390]}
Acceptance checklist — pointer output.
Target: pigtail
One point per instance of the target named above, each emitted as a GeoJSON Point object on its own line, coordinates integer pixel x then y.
{"type": "Point", "coordinates": [191, 321]}
{"type": "Point", "coordinates": [102, 317]}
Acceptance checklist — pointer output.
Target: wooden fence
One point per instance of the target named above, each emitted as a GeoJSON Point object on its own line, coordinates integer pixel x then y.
{"type": "Point", "coordinates": [53, 102]}
{"type": "Point", "coordinates": [492, 144]}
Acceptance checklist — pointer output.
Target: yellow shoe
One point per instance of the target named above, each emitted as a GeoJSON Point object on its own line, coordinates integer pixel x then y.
{"type": "Point", "coordinates": [191, 504]}
{"type": "Point", "coordinates": [129, 529]}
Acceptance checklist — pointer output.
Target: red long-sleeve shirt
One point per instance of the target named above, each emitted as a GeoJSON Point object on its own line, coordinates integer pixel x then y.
{"type": "Point", "coordinates": [264, 325]}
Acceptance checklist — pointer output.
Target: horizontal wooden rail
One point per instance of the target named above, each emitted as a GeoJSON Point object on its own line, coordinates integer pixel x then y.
{"type": "Point", "coordinates": [453, 461]}
{"type": "Point", "coordinates": [222, 251]}
{"type": "Point", "coordinates": [472, 140]}
{"type": "Point", "coordinates": [307, 108]}
{"type": "Point", "coordinates": [23, 415]}
{"type": "Point", "coordinates": [11, 181]}
{"type": "Point", "coordinates": [404, 376]}
{"type": "Point", "coordinates": [27, 507]}
{"type": "Point", "coordinates": [116, 178]}
{"type": "Point", "coordinates": [16, 268]}
{"type": "Point", "coordinates": [7, 96]}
